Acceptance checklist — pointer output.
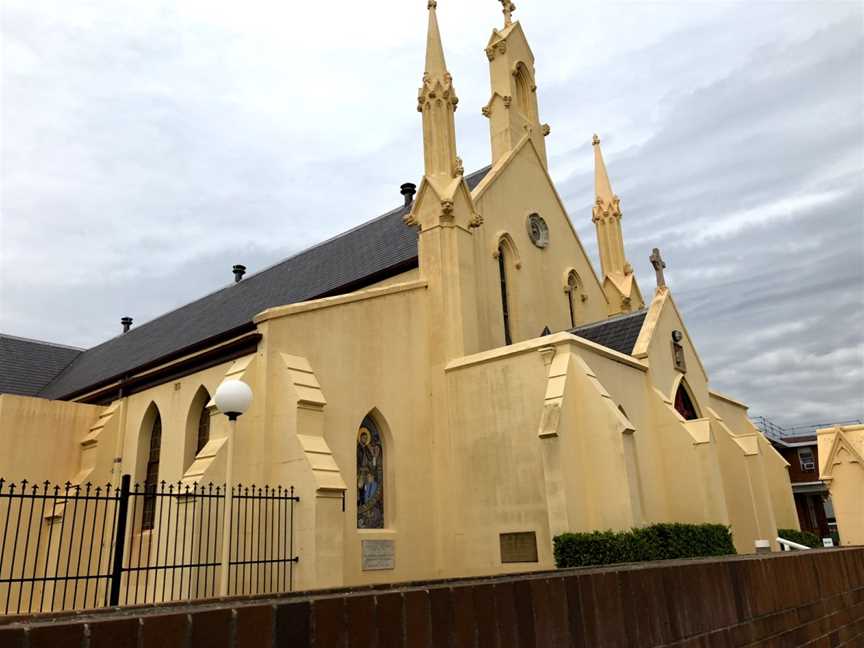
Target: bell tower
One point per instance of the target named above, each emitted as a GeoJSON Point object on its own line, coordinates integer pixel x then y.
{"type": "Point", "coordinates": [512, 110]}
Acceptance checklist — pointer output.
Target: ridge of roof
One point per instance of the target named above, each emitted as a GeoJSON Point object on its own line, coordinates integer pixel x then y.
{"type": "Point", "coordinates": [41, 342]}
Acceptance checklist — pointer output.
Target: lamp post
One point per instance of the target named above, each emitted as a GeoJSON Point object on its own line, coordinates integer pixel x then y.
{"type": "Point", "coordinates": [233, 399]}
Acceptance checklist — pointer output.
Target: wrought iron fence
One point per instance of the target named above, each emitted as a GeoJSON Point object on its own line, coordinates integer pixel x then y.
{"type": "Point", "coordinates": [84, 546]}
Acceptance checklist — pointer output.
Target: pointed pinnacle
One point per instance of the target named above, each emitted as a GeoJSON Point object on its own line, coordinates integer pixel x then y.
{"type": "Point", "coordinates": [435, 63]}
{"type": "Point", "coordinates": [602, 186]}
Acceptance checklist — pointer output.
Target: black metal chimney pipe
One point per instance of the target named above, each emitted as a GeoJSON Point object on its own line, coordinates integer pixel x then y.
{"type": "Point", "coordinates": [408, 190]}
{"type": "Point", "coordinates": [127, 323]}
{"type": "Point", "coordinates": [239, 271]}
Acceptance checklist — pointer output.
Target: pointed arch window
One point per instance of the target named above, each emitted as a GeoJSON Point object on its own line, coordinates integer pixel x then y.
{"type": "Point", "coordinates": [574, 293]}
{"type": "Point", "coordinates": [148, 507]}
{"type": "Point", "coordinates": [524, 90]}
{"type": "Point", "coordinates": [505, 297]}
{"type": "Point", "coordinates": [370, 476]}
{"type": "Point", "coordinates": [684, 403]}
{"type": "Point", "coordinates": [203, 428]}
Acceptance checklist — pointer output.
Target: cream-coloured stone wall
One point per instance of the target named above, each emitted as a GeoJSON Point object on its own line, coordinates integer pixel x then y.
{"type": "Point", "coordinates": [841, 467]}
{"type": "Point", "coordinates": [41, 438]}
{"type": "Point", "coordinates": [515, 188]}
{"type": "Point", "coordinates": [369, 355]}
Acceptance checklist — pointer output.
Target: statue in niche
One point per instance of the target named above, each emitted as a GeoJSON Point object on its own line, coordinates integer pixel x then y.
{"type": "Point", "coordinates": [370, 477]}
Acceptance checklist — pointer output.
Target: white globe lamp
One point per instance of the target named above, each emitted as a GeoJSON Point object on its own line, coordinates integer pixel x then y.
{"type": "Point", "coordinates": [233, 398]}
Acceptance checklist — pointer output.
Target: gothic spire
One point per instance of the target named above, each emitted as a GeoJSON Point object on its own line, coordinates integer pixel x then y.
{"type": "Point", "coordinates": [619, 281]}
{"type": "Point", "coordinates": [602, 186]}
{"type": "Point", "coordinates": [435, 63]}
{"type": "Point", "coordinates": [437, 102]}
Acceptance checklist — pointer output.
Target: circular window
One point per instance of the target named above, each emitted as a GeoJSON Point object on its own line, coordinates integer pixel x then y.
{"type": "Point", "coordinates": [538, 231]}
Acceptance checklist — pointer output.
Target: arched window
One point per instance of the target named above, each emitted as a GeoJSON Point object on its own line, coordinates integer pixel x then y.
{"type": "Point", "coordinates": [505, 297]}
{"type": "Point", "coordinates": [684, 403]}
{"type": "Point", "coordinates": [574, 293]}
{"type": "Point", "coordinates": [203, 428]}
{"type": "Point", "coordinates": [198, 423]}
{"type": "Point", "coordinates": [523, 90]}
{"type": "Point", "coordinates": [370, 476]}
{"type": "Point", "coordinates": [151, 479]}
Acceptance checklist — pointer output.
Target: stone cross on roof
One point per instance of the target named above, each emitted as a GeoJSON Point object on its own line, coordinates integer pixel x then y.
{"type": "Point", "coordinates": [509, 8]}
{"type": "Point", "coordinates": [659, 265]}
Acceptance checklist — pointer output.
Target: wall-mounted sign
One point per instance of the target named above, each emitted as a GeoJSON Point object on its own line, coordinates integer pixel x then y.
{"type": "Point", "coordinates": [519, 547]}
{"type": "Point", "coordinates": [378, 555]}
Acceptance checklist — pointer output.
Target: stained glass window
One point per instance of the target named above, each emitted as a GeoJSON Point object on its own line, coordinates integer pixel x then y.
{"type": "Point", "coordinates": [684, 404]}
{"type": "Point", "coordinates": [203, 427]}
{"type": "Point", "coordinates": [148, 509]}
{"type": "Point", "coordinates": [370, 476]}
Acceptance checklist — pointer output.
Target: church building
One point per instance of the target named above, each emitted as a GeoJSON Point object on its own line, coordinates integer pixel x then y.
{"type": "Point", "coordinates": [453, 378]}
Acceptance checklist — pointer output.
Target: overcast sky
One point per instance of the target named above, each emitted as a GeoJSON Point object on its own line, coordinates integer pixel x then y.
{"type": "Point", "coordinates": [149, 146]}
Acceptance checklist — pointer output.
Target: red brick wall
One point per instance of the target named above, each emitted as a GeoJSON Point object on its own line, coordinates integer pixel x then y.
{"type": "Point", "coordinates": [796, 474]}
{"type": "Point", "coordinates": [812, 598]}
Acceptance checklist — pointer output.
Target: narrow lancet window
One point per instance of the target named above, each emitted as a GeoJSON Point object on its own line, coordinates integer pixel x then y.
{"type": "Point", "coordinates": [148, 509]}
{"type": "Point", "coordinates": [684, 403]}
{"type": "Point", "coordinates": [505, 308]}
{"type": "Point", "coordinates": [203, 428]}
{"type": "Point", "coordinates": [572, 296]}
{"type": "Point", "coordinates": [370, 476]}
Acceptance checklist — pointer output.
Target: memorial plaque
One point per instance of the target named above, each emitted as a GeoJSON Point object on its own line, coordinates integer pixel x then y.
{"type": "Point", "coordinates": [378, 555]}
{"type": "Point", "coordinates": [519, 547]}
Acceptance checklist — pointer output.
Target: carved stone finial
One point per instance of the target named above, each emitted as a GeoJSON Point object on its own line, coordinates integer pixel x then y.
{"type": "Point", "coordinates": [595, 140]}
{"type": "Point", "coordinates": [659, 265]}
{"type": "Point", "coordinates": [509, 8]}
{"type": "Point", "coordinates": [432, 4]}
{"type": "Point", "coordinates": [460, 167]}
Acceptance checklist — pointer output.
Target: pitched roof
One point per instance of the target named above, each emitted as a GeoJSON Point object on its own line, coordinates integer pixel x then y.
{"type": "Point", "coordinates": [373, 251]}
{"type": "Point", "coordinates": [616, 333]}
{"type": "Point", "coordinates": [26, 366]}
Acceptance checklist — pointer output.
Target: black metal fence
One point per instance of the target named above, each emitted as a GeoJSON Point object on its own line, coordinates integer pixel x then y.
{"type": "Point", "coordinates": [79, 546]}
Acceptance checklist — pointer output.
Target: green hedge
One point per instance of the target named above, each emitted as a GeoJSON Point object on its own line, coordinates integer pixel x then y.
{"type": "Point", "coordinates": [801, 537]}
{"type": "Point", "coordinates": [655, 542]}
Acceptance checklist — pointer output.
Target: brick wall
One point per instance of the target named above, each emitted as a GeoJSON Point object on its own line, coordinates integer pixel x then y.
{"type": "Point", "coordinates": [813, 598]}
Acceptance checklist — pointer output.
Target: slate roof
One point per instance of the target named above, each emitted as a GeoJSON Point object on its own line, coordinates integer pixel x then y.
{"type": "Point", "coordinates": [373, 251]}
{"type": "Point", "coordinates": [26, 366]}
{"type": "Point", "coordinates": [618, 333]}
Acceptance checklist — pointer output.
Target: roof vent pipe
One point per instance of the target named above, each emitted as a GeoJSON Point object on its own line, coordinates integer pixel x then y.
{"type": "Point", "coordinates": [127, 323]}
{"type": "Point", "coordinates": [408, 190]}
{"type": "Point", "coordinates": [239, 271]}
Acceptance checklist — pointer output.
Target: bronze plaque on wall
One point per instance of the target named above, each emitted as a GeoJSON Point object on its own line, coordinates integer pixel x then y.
{"type": "Point", "coordinates": [519, 547]}
{"type": "Point", "coordinates": [378, 554]}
